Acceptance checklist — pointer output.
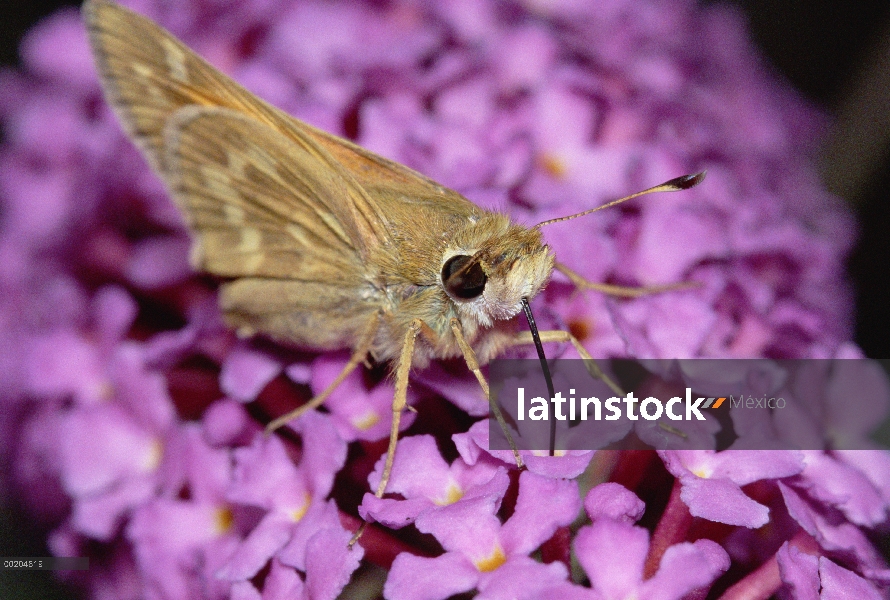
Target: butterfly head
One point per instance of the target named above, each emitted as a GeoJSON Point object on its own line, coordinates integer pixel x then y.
{"type": "Point", "coordinates": [489, 283]}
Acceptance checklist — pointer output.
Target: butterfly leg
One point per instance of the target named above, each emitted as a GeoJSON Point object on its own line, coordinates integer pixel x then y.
{"type": "Point", "coordinates": [357, 358]}
{"type": "Point", "coordinates": [399, 404]}
{"type": "Point", "coordinates": [525, 337]}
{"type": "Point", "coordinates": [619, 290]}
{"type": "Point", "coordinates": [399, 401]}
{"type": "Point", "coordinates": [473, 365]}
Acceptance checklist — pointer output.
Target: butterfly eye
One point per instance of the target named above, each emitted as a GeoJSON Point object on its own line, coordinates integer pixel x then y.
{"type": "Point", "coordinates": [463, 277]}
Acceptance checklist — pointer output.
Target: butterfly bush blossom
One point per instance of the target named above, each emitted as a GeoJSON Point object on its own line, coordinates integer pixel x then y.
{"type": "Point", "coordinates": [131, 418]}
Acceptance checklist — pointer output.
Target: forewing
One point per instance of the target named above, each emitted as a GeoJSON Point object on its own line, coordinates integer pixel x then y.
{"type": "Point", "coordinates": [395, 187]}
{"type": "Point", "coordinates": [258, 204]}
{"type": "Point", "coordinates": [149, 76]}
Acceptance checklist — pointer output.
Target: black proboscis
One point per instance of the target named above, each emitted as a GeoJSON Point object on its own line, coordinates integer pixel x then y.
{"type": "Point", "coordinates": [546, 368]}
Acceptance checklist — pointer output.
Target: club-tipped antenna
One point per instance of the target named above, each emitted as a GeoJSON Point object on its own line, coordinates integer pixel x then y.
{"type": "Point", "coordinates": [546, 368]}
{"type": "Point", "coordinates": [674, 185]}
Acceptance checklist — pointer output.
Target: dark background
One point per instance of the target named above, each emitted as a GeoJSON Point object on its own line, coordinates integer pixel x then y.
{"type": "Point", "coordinates": [835, 52]}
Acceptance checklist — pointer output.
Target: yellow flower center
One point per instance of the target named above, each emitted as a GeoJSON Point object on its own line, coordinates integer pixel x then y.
{"type": "Point", "coordinates": [154, 455]}
{"type": "Point", "coordinates": [366, 421]}
{"type": "Point", "coordinates": [298, 513]}
{"type": "Point", "coordinates": [225, 518]}
{"type": "Point", "coordinates": [452, 495]}
{"type": "Point", "coordinates": [497, 558]}
{"type": "Point", "coordinates": [553, 165]}
{"type": "Point", "coordinates": [703, 472]}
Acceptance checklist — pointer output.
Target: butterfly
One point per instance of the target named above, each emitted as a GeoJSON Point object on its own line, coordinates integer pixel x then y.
{"type": "Point", "coordinates": [320, 243]}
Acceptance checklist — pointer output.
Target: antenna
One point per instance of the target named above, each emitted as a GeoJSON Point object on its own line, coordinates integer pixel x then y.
{"type": "Point", "coordinates": [674, 185]}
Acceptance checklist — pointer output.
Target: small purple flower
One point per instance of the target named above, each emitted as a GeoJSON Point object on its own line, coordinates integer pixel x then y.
{"type": "Point", "coordinates": [484, 554]}
{"type": "Point", "coordinates": [450, 381]}
{"type": "Point", "coordinates": [613, 554]}
{"type": "Point", "coordinates": [711, 481]}
{"type": "Point", "coordinates": [425, 481]}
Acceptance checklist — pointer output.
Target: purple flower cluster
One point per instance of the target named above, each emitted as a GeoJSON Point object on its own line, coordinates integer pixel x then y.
{"type": "Point", "coordinates": [131, 419]}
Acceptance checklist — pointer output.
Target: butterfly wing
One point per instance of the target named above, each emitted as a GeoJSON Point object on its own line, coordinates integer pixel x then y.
{"type": "Point", "coordinates": [149, 76]}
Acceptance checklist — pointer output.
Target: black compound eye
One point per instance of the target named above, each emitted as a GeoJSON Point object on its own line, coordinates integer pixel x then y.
{"type": "Point", "coordinates": [463, 277]}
